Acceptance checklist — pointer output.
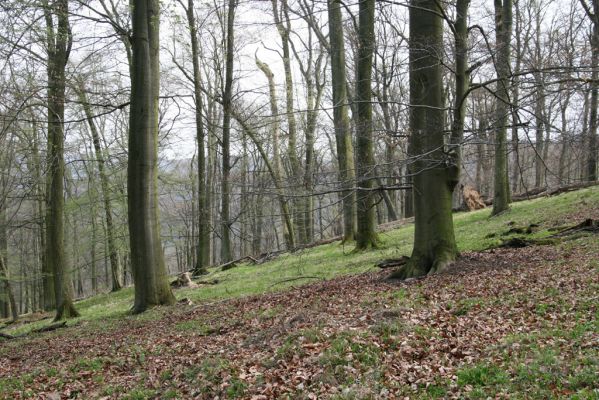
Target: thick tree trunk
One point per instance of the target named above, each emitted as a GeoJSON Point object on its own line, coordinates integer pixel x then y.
{"type": "Point", "coordinates": [59, 44]}
{"type": "Point", "coordinates": [365, 236]}
{"type": "Point", "coordinates": [147, 260]}
{"type": "Point", "coordinates": [503, 23]}
{"type": "Point", "coordinates": [434, 242]}
{"type": "Point", "coordinates": [343, 139]}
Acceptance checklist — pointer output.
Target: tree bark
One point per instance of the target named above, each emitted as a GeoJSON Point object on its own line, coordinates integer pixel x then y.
{"type": "Point", "coordinates": [226, 251]}
{"type": "Point", "coordinates": [147, 260]}
{"type": "Point", "coordinates": [503, 24]}
{"type": "Point", "coordinates": [365, 236]}
{"type": "Point", "coordinates": [515, 176]}
{"type": "Point", "coordinates": [59, 45]}
{"type": "Point", "coordinates": [591, 173]}
{"type": "Point", "coordinates": [203, 244]}
{"type": "Point", "coordinates": [343, 139]}
{"type": "Point", "coordinates": [434, 242]}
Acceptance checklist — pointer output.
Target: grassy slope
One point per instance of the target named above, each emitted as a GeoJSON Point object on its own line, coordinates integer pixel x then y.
{"type": "Point", "coordinates": [332, 260]}
{"type": "Point", "coordinates": [532, 331]}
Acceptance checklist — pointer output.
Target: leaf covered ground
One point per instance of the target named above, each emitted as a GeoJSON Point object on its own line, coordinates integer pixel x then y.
{"type": "Point", "coordinates": [505, 323]}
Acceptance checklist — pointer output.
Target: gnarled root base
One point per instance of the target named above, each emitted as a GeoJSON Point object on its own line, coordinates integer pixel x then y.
{"type": "Point", "coordinates": [417, 267]}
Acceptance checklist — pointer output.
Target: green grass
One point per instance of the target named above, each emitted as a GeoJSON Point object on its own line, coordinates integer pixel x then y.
{"type": "Point", "coordinates": [333, 260]}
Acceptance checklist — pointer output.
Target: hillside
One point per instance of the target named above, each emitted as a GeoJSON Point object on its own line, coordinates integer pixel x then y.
{"type": "Point", "coordinates": [325, 323]}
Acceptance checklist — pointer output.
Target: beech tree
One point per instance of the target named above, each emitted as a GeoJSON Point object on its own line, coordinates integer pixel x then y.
{"type": "Point", "coordinates": [147, 260]}
{"type": "Point", "coordinates": [503, 26]}
{"type": "Point", "coordinates": [434, 177]}
{"type": "Point", "coordinates": [592, 11]}
{"type": "Point", "coordinates": [343, 137]}
{"type": "Point", "coordinates": [365, 236]}
{"type": "Point", "coordinates": [59, 42]}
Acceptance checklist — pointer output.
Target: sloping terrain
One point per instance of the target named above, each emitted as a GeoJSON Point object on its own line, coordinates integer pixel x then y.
{"type": "Point", "coordinates": [502, 323]}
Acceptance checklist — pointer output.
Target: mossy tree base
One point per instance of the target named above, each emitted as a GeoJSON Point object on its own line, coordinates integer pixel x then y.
{"type": "Point", "coordinates": [420, 266]}
{"type": "Point", "coordinates": [65, 311]}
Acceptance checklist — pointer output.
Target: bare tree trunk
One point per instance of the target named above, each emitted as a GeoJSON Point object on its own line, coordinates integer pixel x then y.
{"type": "Point", "coordinates": [434, 242]}
{"type": "Point", "coordinates": [366, 236]}
{"type": "Point", "coordinates": [147, 260]}
{"type": "Point", "coordinates": [59, 45]}
{"type": "Point", "coordinates": [203, 243]}
{"type": "Point", "coordinates": [515, 101]}
{"type": "Point", "coordinates": [503, 24]}
{"type": "Point", "coordinates": [226, 250]}
{"type": "Point", "coordinates": [343, 139]}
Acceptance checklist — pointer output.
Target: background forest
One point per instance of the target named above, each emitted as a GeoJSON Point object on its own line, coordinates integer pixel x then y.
{"type": "Point", "coordinates": [250, 155]}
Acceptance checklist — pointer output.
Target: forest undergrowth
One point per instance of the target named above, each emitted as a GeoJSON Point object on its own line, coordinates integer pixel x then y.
{"type": "Point", "coordinates": [501, 323]}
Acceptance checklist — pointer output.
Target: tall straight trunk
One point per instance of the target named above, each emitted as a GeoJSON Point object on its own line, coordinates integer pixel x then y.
{"type": "Point", "coordinates": [289, 229]}
{"type": "Point", "coordinates": [434, 242]}
{"type": "Point", "coordinates": [365, 236]}
{"type": "Point", "coordinates": [461, 89]}
{"type": "Point", "coordinates": [147, 259]}
{"type": "Point", "coordinates": [515, 102]}
{"type": "Point", "coordinates": [343, 139]}
{"type": "Point", "coordinates": [226, 251]}
{"type": "Point", "coordinates": [203, 243]}
{"type": "Point", "coordinates": [59, 45]}
{"type": "Point", "coordinates": [503, 26]}
{"type": "Point", "coordinates": [246, 205]}
{"type": "Point", "coordinates": [591, 173]}
{"type": "Point", "coordinates": [540, 120]}
{"type": "Point", "coordinates": [99, 156]}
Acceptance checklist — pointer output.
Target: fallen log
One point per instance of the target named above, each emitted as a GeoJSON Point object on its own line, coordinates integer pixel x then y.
{"type": "Point", "coordinates": [47, 328]}
{"type": "Point", "coordinates": [588, 225]}
{"type": "Point", "coordinates": [51, 327]}
{"type": "Point", "coordinates": [7, 336]}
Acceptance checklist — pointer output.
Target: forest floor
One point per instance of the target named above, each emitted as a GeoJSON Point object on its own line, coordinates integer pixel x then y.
{"type": "Point", "coordinates": [502, 323]}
